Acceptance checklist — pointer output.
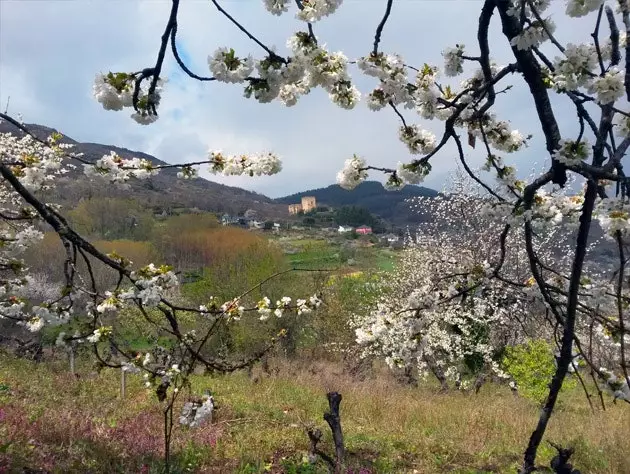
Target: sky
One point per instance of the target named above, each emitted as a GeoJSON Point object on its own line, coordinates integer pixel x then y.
{"type": "Point", "coordinates": [51, 50]}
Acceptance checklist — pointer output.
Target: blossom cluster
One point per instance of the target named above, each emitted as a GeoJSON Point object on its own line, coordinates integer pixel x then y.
{"type": "Point", "coordinates": [114, 91]}
{"type": "Point", "coordinates": [302, 306]}
{"type": "Point", "coordinates": [353, 173]}
{"type": "Point", "coordinates": [613, 215]}
{"type": "Point", "coordinates": [34, 163]}
{"type": "Point", "coordinates": [117, 169]}
{"type": "Point", "coordinates": [311, 65]}
{"type": "Point", "coordinates": [150, 284]}
{"type": "Point", "coordinates": [308, 10]}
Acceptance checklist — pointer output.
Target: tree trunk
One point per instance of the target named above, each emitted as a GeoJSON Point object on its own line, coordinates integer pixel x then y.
{"type": "Point", "coordinates": [334, 421]}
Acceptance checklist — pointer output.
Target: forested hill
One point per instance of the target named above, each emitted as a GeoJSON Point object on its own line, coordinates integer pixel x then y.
{"type": "Point", "coordinates": [390, 205]}
{"type": "Point", "coordinates": [161, 192]}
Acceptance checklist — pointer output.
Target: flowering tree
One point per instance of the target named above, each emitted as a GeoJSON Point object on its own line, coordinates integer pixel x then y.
{"type": "Point", "coordinates": [446, 309]}
{"type": "Point", "coordinates": [592, 76]}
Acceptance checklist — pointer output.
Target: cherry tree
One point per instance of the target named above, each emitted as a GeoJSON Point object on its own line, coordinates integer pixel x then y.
{"type": "Point", "coordinates": [587, 311]}
{"type": "Point", "coordinates": [446, 310]}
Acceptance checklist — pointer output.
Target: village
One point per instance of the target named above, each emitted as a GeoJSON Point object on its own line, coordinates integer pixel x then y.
{"type": "Point", "coordinates": [307, 217]}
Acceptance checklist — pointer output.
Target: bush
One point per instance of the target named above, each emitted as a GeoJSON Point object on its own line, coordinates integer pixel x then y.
{"type": "Point", "coordinates": [531, 366]}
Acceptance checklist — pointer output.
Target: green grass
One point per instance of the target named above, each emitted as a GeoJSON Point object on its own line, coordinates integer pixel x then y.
{"type": "Point", "coordinates": [52, 421]}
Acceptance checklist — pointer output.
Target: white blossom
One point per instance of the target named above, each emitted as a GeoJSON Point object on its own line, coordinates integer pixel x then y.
{"type": "Point", "coordinates": [533, 35]}
{"type": "Point", "coordinates": [453, 60]}
{"type": "Point", "coordinates": [227, 67]}
{"type": "Point", "coordinates": [578, 8]}
{"type": "Point", "coordinates": [609, 87]}
{"type": "Point", "coordinates": [315, 10]}
{"type": "Point", "coordinates": [277, 7]}
{"type": "Point", "coordinates": [353, 173]}
{"type": "Point", "coordinates": [417, 140]}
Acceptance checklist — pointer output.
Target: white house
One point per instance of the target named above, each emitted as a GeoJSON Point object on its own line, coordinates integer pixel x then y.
{"type": "Point", "coordinates": [344, 229]}
{"type": "Point", "coordinates": [256, 224]}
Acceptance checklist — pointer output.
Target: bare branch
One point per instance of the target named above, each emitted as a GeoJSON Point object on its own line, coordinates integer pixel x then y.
{"type": "Point", "coordinates": [381, 25]}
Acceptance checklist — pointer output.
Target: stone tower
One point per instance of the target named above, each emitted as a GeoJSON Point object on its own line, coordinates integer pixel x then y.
{"type": "Point", "coordinates": [308, 203]}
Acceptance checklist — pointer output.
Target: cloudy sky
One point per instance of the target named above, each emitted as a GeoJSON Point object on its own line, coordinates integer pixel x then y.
{"type": "Point", "coordinates": [50, 51]}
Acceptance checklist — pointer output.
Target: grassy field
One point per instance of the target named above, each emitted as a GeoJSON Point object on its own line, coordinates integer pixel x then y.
{"type": "Point", "coordinates": [52, 421]}
{"type": "Point", "coordinates": [319, 253]}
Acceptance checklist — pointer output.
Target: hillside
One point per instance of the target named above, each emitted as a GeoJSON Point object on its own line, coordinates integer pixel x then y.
{"type": "Point", "coordinates": [390, 205]}
{"type": "Point", "coordinates": [162, 192]}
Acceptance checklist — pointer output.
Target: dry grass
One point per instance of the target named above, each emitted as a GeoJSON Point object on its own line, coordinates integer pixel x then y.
{"type": "Point", "coordinates": [388, 427]}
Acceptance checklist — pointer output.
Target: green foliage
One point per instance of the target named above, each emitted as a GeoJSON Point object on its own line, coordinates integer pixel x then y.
{"type": "Point", "coordinates": [532, 366]}
{"type": "Point", "coordinates": [345, 296]}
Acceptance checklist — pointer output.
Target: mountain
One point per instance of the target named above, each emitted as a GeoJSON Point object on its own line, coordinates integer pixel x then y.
{"type": "Point", "coordinates": [161, 192]}
{"type": "Point", "coordinates": [390, 205]}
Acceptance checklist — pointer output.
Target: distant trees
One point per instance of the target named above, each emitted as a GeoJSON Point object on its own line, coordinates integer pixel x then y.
{"type": "Point", "coordinates": [112, 218]}
{"type": "Point", "coordinates": [353, 216]}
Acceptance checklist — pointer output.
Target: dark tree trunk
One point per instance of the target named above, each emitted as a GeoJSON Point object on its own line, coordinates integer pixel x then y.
{"type": "Point", "coordinates": [333, 419]}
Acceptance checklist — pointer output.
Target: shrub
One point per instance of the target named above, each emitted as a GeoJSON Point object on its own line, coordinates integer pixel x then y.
{"type": "Point", "coordinates": [532, 365]}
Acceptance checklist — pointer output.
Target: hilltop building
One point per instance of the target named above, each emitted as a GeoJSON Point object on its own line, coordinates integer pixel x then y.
{"type": "Point", "coordinates": [295, 208]}
{"type": "Point", "coordinates": [308, 204]}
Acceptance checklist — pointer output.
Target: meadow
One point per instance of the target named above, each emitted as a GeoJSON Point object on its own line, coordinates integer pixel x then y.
{"type": "Point", "coordinates": [53, 422]}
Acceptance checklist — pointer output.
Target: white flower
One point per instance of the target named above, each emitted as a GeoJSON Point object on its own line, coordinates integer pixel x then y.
{"type": "Point", "coordinates": [108, 96]}
{"type": "Point", "coordinates": [533, 35]}
{"type": "Point", "coordinates": [572, 152]}
{"type": "Point", "coordinates": [622, 125]}
{"type": "Point", "coordinates": [227, 67]}
{"type": "Point", "coordinates": [290, 93]}
{"type": "Point", "coordinates": [263, 308]}
{"type": "Point", "coordinates": [608, 88]}
{"type": "Point", "coordinates": [277, 7]}
{"type": "Point", "coordinates": [60, 341]}
{"type": "Point", "coordinates": [110, 303]}
{"type": "Point", "coordinates": [188, 172]}
{"type": "Point", "coordinates": [578, 8]}
{"type": "Point", "coordinates": [315, 10]}
{"type": "Point", "coordinates": [35, 324]}
{"type": "Point", "coordinates": [417, 140]}
{"type": "Point", "coordinates": [377, 99]}
{"type": "Point", "coordinates": [99, 333]}
{"type": "Point", "coordinates": [314, 301]}
{"type": "Point", "coordinates": [412, 174]}
{"type": "Point", "coordinates": [144, 118]}
{"type": "Point", "coordinates": [252, 165]}
{"type": "Point", "coordinates": [453, 60]}
{"type": "Point", "coordinates": [353, 173]}
{"type": "Point", "coordinates": [572, 70]}
{"type": "Point", "coordinates": [345, 94]}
